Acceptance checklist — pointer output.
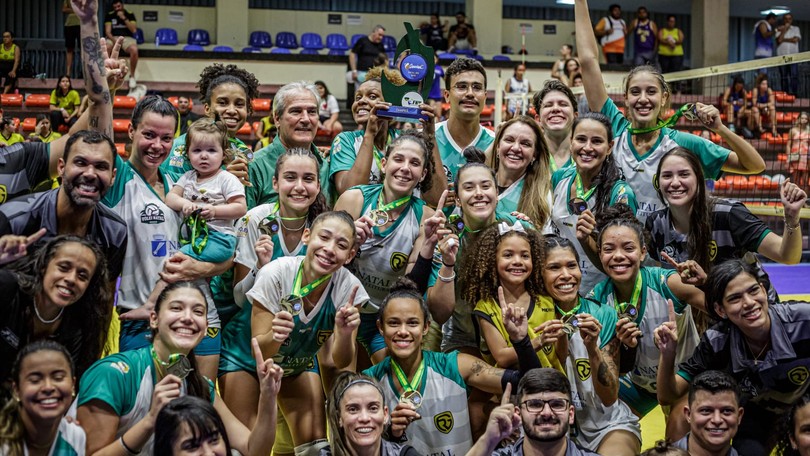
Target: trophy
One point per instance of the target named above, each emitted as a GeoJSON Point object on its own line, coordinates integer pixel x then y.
{"type": "Point", "coordinates": [415, 62]}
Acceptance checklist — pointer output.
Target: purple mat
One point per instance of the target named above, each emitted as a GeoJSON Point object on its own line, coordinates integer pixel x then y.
{"type": "Point", "coordinates": [789, 279]}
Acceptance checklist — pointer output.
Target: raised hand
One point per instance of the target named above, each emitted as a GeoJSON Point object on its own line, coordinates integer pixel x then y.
{"type": "Point", "coordinates": [628, 332]}
{"type": "Point", "coordinates": [166, 390]}
{"type": "Point", "coordinates": [436, 221]}
{"type": "Point", "coordinates": [548, 333]}
{"type": "Point", "coordinates": [690, 271]}
{"type": "Point", "coordinates": [13, 247]}
{"type": "Point", "coordinates": [268, 372]}
{"type": "Point", "coordinates": [347, 318]}
{"type": "Point", "coordinates": [589, 329]}
{"type": "Point", "coordinates": [402, 415]}
{"type": "Point", "coordinates": [363, 226]}
{"type": "Point", "coordinates": [264, 250]}
{"type": "Point", "coordinates": [375, 123]}
{"type": "Point", "coordinates": [709, 115]}
{"type": "Point", "coordinates": [283, 326]}
{"type": "Point", "coordinates": [666, 335]}
{"type": "Point", "coordinates": [84, 8]}
{"type": "Point", "coordinates": [239, 168]}
{"type": "Point", "coordinates": [514, 318]}
{"type": "Point", "coordinates": [586, 224]}
{"type": "Point", "coordinates": [504, 419]}
{"type": "Point", "coordinates": [793, 199]}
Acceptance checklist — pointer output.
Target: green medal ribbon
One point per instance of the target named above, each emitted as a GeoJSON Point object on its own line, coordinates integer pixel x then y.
{"type": "Point", "coordinates": [552, 163]}
{"type": "Point", "coordinates": [173, 358]}
{"type": "Point", "coordinates": [381, 206]}
{"type": "Point", "coordinates": [403, 379]}
{"type": "Point", "coordinates": [634, 298]}
{"type": "Point", "coordinates": [581, 193]}
{"type": "Point", "coordinates": [275, 213]}
{"type": "Point", "coordinates": [564, 314]}
{"type": "Point", "coordinates": [687, 110]}
{"type": "Point", "coordinates": [299, 291]}
{"type": "Point", "coordinates": [194, 231]}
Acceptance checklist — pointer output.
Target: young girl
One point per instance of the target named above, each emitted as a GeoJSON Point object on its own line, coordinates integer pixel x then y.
{"type": "Point", "coordinates": [735, 103]}
{"type": "Point", "coordinates": [763, 104]}
{"type": "Point", "coordinates": [43, 132]}
{"type": "Point", "coordinates": [641, 138]}
{"type": "Point", "coordinates": [328, 109]}
{"type": "Point", "coordinates": [798, 149]}
{"type": "Point", "coordinates": [586, 332]}
{"type": "Point", "coordinates": [591, 186]}
{"type": "Point", "coordinates": [508, 257]}
{"type": "Point", "coordinates": [298, 303]}
{"type": "Point", "coordinates": [426, 392]}
{"type": "Point", "coordinates": [266, 232]}
{"type": "Point", "coordinates": [519, 85]}
{"type": "Point", "coordinates": [43, 371]}
{"type": "Point", "coordinates": [640, 294]}
{"type": "Point", "coordinates": [64, 105]}
{"type": "Point", "coordinates": [521, 162]}
{"type": "Point", "coordinates": [209, 198]}
{"type": "Point", "coordinates": [389, 218]}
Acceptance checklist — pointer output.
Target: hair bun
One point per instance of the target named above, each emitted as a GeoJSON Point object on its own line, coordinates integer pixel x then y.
{"type": "Point", "coordinates": [474, 155]}
{"type": "Point", "coordinates": [404, 284]}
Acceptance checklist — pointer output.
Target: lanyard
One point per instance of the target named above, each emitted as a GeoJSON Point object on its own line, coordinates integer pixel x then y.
{"type": "Point", "coordinates": [275, 213]}
{"type": "Point", "coordinates": [622, 307]}
{"type": "Point", "coordinates": [687, 110]}
{"type": "Point", "coordinates": [393, 204]}
{"type": "Point", "coordinates": [403, 380]}
{"type": "Point", "coordinates": [564, 314]}
{"type": "Point", "coordinates": [300, 292]}
{"type": "Point", "coordinates": [194, 231]}
{"type": "Point", "coordinates": [173, 359]}
{"type": "Point", "coordinates": [581, 193]}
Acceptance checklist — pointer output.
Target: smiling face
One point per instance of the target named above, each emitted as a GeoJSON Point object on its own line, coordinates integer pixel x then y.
{"type": "Point", "coordinates": [677, 181]}
{"type": "Point", "coordinates": [590, 146]}
{"type": "Point", "coordinates": [365, 97]}
{"type": "Point", "coordinates": [556, 114]}
{"type": "Point", "coordinates": [404, 168]}
{"type": "Point", "coordinates": [298, 123]}
{"type": "Point", "coordinates": [152, 140]}
{"type": "Point", "coordinates": [330, 245]}
{"type": "Point", "coordinates": [183, 105]}
{"type": "Point", "coordinates": [205, 154]}
{"type": "Point", "coordinates": [561, 275]}
{"type": "Point", "coordinates": [800, 437]}
{"type": "Point", "coordinates": [621, 253]}
{"type": "Point", "coordinates": [68, 274]}
{"type": "Point", "coordinates": [362, 416]}
{"type": "Point", "coordinates": [645, 98]}
{"type": "Point", "coordinates": [403, 326]}
{"type": "Point", "coordinates": [297, 185]}
{"type": "Point", "coordinates": [467, 95]}
{"type": "Point", "coordinates": [229, 102]}
{"type": "Point", "coordinates": [180, 322]}
{"type": "Point", "coordinates": [514, 260]}
{"type": "Point", "coordinates": [713, 419]}
{"type": "Point", "coordinates": [546, 425]}
{"type": "Point", "coordinates": [477, 193]}
{"type": "Point", "coordinates": [45, 387]}
{"type": "Point", "coordinates": [88, 173]}
{"type": "Point", "coordinates": [745, 304]}
{"type": "Point", "coordinates": [187, 445]}
{"type": "Point", "coordinates": [516, 148]}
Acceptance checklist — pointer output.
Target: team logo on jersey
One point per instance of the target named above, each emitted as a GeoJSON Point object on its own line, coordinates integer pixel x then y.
{"type": "Point", "coordinates": [120, 366]}
{"type": "Point", "coordinates": [242, 226]}
{"type": "Point", "coordinates": [398, 261]}
{"type": "Point", "coordinates": [712, 250]}
{"type": "Point", "coordinates": [798, 375]}
{"type": "Point", "coordinates": [322, 335]}
{"type": "Point", "coordinates": [177, 159]}
{"type": "Point", "coordinates": [583, 369]}
{"type": "Point", "coordinates": [152, 214]}
{"type": "Point", "coordinates": [3, 194]}
{"type": "Point", "coordinates": [547, 349]}
{"type": "Point", "coordinates": [444, 422]}
{"type": "Point", "coordinates": [448, 173]}
{"type": "Point", "coordinates": [212, 332]}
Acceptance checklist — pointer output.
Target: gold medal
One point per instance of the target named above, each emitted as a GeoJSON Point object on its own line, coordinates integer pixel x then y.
{"type": "Point", "coordinates": [269, 226]}
{"type": "Point", "coordinates": [291, 304]}
{"type": "Point", "coordinates": [627, 310]}
{"type": "Point", "coordinates": [378, 217]}
{"type": "Point", "coordinates": [570, 324]}
{"type": "Point", "coordinates": [412, 398]}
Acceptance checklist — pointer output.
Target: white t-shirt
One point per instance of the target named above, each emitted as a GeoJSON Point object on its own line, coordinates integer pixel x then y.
{"type": "Point", "coordinates": [787, 48]}
{"type": "Point", "coordinates": [328, 107]}
{"type": "Point", "coordinates": [216, 190]}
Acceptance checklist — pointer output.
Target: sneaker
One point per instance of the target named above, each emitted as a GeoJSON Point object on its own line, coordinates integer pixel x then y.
{"type": "Point", "coordinates": [132, 82]}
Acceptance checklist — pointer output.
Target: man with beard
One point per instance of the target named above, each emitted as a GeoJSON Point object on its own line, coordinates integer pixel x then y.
{"type": "Point", "coordinates": [186, 116]}
{"type": "Point", "coordinates": [544, 410]}
{"type": "Point", "coordinates": [713, 413]}
{"type": "Point", "coordinates": [87, 172]}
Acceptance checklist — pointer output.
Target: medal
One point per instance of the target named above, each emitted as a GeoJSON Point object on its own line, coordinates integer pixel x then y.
{"type": "Point", "coordinates": [579, 203]}
{"type": "Point", "coordinates": [194, 231]}
{"type": "Point", "coordinates": [412, 398]}
{"type": "Point", "coordinates": [570, 324]}
{"type": "Point", "coordinates": [410, 394]}
{"type": "Point", "coordinates": [690, 112]}
{"type": "Point", "coordinates": [291, 304]}
{"type": "Point", "coordinates": [577, 206]}
{"type": "Point", "coordinates": [456, 225]}
{"type": "Point", "coordinates": [629, 309]}
{"type": "Point", "coordinates": [180, 368]}
{"type": "Point", "coordinates": [269, 226]}
{"type": "Point", "coordinates": [378, 217]}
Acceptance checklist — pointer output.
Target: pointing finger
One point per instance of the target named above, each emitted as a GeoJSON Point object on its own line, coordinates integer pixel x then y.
{"type": "Point", "coordinates": [507, 395]}
{"type": "Point", "coordinates": [442, 200]}
{"type": "Point", "coordinates": [671, 310]}
{"type": "Point", "coordinates": [669, 259]}
{"type": "Point", "coordinates": [36, 236]}
{"type": "Point", "coordinates": [257, 353]}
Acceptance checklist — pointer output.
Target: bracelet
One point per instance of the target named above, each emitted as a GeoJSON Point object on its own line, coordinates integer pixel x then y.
{"type": "Point", "coordinates": [127, 448]}
{"type": "Point", "coordinates": [447, 279]}
{"type": "Point", "coordinates": [791, 229]}
{"type": "Point", "coordinates": [451, 266]}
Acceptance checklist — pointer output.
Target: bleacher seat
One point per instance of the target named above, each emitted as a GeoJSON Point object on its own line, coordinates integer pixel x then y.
{"type": "Point", "coordinates": [336, 42]}
{"type": "Point", "coordinates": [121, 125]}
{"type": "Point", "coordinates": [245, 130]}
{"type": "Point", "coordinates": [193, 47]}
{"type": "Point", "coordinates": [280, 51]}
{"type": "Point", "coordinates": [447, 56]}
{"type": "Point", "coordinates": [139, 35]}
{"type": "Point", "coordinates": [336, 52]}
{"type": "Point", "coordinates": [389, 43]}
{"type": "Point", "coordinates": [29, 124]}
{"type": "Point", "coordinates": [38, 100]}
{"type": "Point", "coordinates": [311, 41]}
{"type": "Point", "coordinates": [224, 49]}
{"type": "Point", "coordinates": [166, 36]}
{"type": "Point", "coordinates": [11, 99]}
{"type": "Point", "coordinates": [286, 40]}
{"type": "Point", "coordinates": [173, 101]}
{"type": "Point", "coordinates": [260, 39]}
{"type": "Point", "coordinates": [199, 37]}
{"type": "Point", "coordinates": [501, 58]}
{"type": "Point", "coordinates": [121, 148]}
{"type": "Point", "coordinates": [125, 102]}
{"type": "Point", "coordinates": [262, 104]}
{"type": "Point", "coordinates": [467, 52]}
{"type": "Point", "coordinates": [356, 37]}
{"type": "Point", "coordinates": [252, 50]}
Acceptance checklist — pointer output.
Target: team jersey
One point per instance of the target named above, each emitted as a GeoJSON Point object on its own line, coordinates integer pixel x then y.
{"type": "Point", "coordinates": [274, 282]}
{"type": "Point", "coordinates": [652, 313]}
{"type": "Point", "coordinates": [452, 159]}
{"type": "Point", "coordinates": [176, 164]}
{"type": "Point", "coordinates": [345, 148]}
{"type": "Point", "coordinates": [14, 138]}
{"type": "Point", "coordinates": [383, 258]}
{"type": "Point", "coordinates": [540, 310]}
{"type": "Point", "coordinates": [509, 200]}
{"type": "Point", "coordinates": [23, 167]}
{"type": "Point", "coordinates": [445, 424]}
{"type": "Point", "coordinates": [639, 170]}
{"type": "Point", "coordinates": [51, 137]}
{"type": "Point", "coordinates": [125, 382]}
{"type": "Point", "coordinates": [565, 223]}
{"type": "Point", "coordinates": [69, 101]}
{"type": "Point", "coordinates": [70, 441]}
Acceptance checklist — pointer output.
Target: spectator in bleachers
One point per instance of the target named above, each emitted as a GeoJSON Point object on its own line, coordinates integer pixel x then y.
{"type": "Point", "coordinates": [582, 102]}
{"type": "Point", "coordinates": [8, 132]}
{"type": "Point", "coordinates": [611, 31]}
{"type": "Point", "coordinates": [9, 61]}
{"type": "Point", "coordinates": [572, 67]}
{"type": "Point", "coordinates": [670, 47]}
{"type": "Point", "coordinates": [787, 42]}
{"type": "Point", "coordinates": [363, 54]}
{"type": "Point", "coordinates": [798, 150]}
{"type": "Point", "coordinates": [763, 37]}
{"type": "Point", "coordinates": [121, 22]}
{"type": "Point", "coordinates": [328, 110]}
{"type": "Point", "coordinates": [735, 103]}
{"type": "Point", "coordinates": [43, 131]}
{"type": "Point", "coordinates": [558, 70]}
{"type": "Point", "coordinates": [436, 97]}
{"type": "Point", "coordinates": [462, 39]}
{"type": "Point", "coordinates": [433, 32]}
{"type": "Point", "coordinates": [645, 38]}
{"type": "Point", "coordinates": [72, 29]}
{"type": "Point", "coordinates": [763, 103]}
{"type": "Point", "coordinates": [517, 84]}
{"type": "Point", "coordinates": [186, 115]}
{"type": "Point", "coordinates": [64, 104]}
{"type": "Point", "coordinates": [461, 20]}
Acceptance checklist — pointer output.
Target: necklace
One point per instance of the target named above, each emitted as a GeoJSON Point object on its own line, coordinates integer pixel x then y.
{"type": "Point", "coordinates": [756, 357]}
{"type": "Point", "coordinates": [286, 228]}
{"type": "Point", "coordinates": [44, 321]}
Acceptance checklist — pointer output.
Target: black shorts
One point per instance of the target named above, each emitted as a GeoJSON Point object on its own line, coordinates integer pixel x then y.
{"type": "Point", "coordinates": [72, 34]}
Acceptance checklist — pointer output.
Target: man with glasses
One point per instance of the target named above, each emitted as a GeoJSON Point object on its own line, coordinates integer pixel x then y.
{"type": "Point", "coordinates": [466, 91]}
{"type": "Point", "coordinates": [545, 411]}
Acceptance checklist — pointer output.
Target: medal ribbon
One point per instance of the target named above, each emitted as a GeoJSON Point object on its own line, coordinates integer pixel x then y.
{"type": "Point", "coordinates": [403, 379]}
{"type": "Point", "coordinates": [621, 307]}
{"type": "Point", "coordinates": [300, 292]}
{"type": "Point", "coordinates": [197, 229]}
{"type": "Point", "coordinates": [581, 193]}
{"type": "Point", "coordinates": [173, 358]}
{"type": "Point", "coordinates": [381, 206]}
{"type": "Point", "coordinates": [564, 314]}
{"type": "Point", "coordinates": [686, 110]}
{"type": "Point", "coordinates": [275, 212]}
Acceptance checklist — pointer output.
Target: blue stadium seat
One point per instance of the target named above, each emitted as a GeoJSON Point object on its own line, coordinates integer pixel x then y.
{"type": "Point", "coordinates": [389, 43]}
{"type": "Point", "coordinates": [199, 37]}
{"type": "Point", "coordinates": [336, 52]}
{"type": "Point", "coordinates": [280, 51]}
{"type": "Point", "coordinates": [224, 49]}
{"type": "Point", "coordinates": [311, 42]}
{"type": "Point", "coordinates": [165, 36]}
{"type": "Point", "coordinates": [193, 47]}
{"type": "Point", "coordinates": [501, 58]}
{"type": "Point", "coordinates": [356, 37]}
{"type": "Point", "coordinates": [447, 56]}
{"type": "Point", "coordinates": [467, 52]}
{"type": "Point", "coordinates": [139, 36]}
{"type": "Point", "coordinates": [286, 40]}
{"type": "Point", "coordinates": [260, 39]}
{"type": "Point", "coordinates": [336, 42]}
{"type": "Point", "coordinates": [251, 49]}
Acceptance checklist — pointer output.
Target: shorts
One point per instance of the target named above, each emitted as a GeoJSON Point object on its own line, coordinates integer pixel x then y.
{"type": "Point", "coordinates": [368, 335]}
{"type": "Point", "coordinates": [133, 335]}
{"type": "Point", "coordinates": [639, 399]}
{"type": "Point", "coordinates": [324, 118]}
{"type": "Point", "coordinates": [128, 42]}
{"type": "Point", "coordinates": [219, 248]}
{"type": "Point", "coordinates": [72, 33]}
{"type": "Point", "coordinates": [590, 439]}
{"type": "Point", "coordinates": [237, 353]}
{"type": "Point", "coordinates": [284, 443]}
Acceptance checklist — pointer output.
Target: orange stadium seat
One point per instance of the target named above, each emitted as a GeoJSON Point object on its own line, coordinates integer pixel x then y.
{"type": "Point", "coordinates": [38, 100]}
{"type": "Point", "coordinates": [262, 104]}
{"type": "Point", "coordinates": [488, 110]}
{"type": "Point", "coordinates": [121, 148]}
{"type": "Point", "coordinates": [257, 126]}
{"type": "Point", "coordinates": [29, 124]}
{"type": "Point", "coordinates": [245, 130]}
{"type": "Point", "coordinates": [121, 125]}
{"type": "Point", "coordinates": [125, 102]}
{"type": "Point", "coordinates": [11, 99]}
{"type": "Point", "coordinates": [781, 157]}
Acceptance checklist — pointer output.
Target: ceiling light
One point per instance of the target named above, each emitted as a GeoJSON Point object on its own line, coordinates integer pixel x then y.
{"type": "Point", "coordinates": [778, 10]}
{"type": "Point", "coordinates": [565, 2]}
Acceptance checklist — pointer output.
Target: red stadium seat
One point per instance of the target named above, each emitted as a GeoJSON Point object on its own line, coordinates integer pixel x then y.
{"type": "Point", "coordinates": [262, 104]}
{"type": "Point", "coordinates": [245, 130]}
{"type": "Point", "coordinates": [11, 99]}
{"type": "Point", "coordinates": [125, 102]}
{"type": "Point", "coordinates": [121, 148]}
{"type": "Point", "coordinates": [38, 100]}
{"type": "Point", "coordinates": [29, 124]}
{"type": "Point", "coordinates": [121, 125]}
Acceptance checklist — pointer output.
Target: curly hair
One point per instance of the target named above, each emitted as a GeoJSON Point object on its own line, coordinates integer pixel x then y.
{"type": "Point", "coordinates": [91, 314]}
{"type": "Point", "coordinates": [620, 215]}
{"type": "Point", "coordinates": [393, 75]}
{"type": "Point", "coordinates": [482, 275]}
{"type": "Point", "coordinates": [424, 142]}
{"type": "Point", "coordinates": [787, 428]}
{"type": "Point", "coordinates": [318, 206]}
{"type": "Point", "coordinates": [217, 74]}
{"type": "Point", "coordinates": [609, 173]}
{"type": "Point", "coordinates": [463, 65]}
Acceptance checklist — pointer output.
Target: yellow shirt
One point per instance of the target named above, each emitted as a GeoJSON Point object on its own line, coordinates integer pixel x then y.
{"type": "Point", "coordinates": [7, 54]}
{"type": "Point", "coordinates": [665, 50]}
{"type": "Point", "coordinates": [69, 102]}
{"type": "Point", "coordinates": [13, 139]}
{"type": "Point", "coordinates": [46, 139]}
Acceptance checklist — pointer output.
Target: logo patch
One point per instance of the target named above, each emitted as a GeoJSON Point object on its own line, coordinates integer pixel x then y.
{"type": "Point", "coordinates": [712, 250]}
{"type": "Point", "coordinates": [798, 375]}
{"type": "Point", "coordinates": [152, 214]}
{"type": "Point", "coordinates": [547, 349]}
{"type": "Point", "coordinates": [120, 366]}
{"type": "Point", "coordinates": [583, 369]}
{"type": "Point", "coordinates": [444, 422]}
{"type": "Point", "coordinates": [398, 261]}
{"type": "Point", "coordinates": [322, 336]}
{"type": "Point", "coordinates": [212, 332]}
{"type": "Point", "coordinates": [3, 194]}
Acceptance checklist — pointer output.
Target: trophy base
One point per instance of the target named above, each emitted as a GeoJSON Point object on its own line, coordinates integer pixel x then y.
{"type": "Point", "coordinates": [401, 112]}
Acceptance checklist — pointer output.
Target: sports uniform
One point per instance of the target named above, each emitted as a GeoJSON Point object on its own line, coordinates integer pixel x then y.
{"type": "Point", "coordinates": [516, 449]}
{"type": "Point", "coordinates": [263, 168]}
{"type": "Point", "coordinates": [23, 167]}
{"type": "Point", "coordinates": [10, 140]}
{"type": "Point", "coordinates": [345, 148]}
{"type": "Point", "coordinates": [515, 86]}
{"type": "Point", "coordinates": [451, 153]}
{"type": "Point", "coordinates": [70, 440]}
{"type": "Point", "coordinates": [51, 137]}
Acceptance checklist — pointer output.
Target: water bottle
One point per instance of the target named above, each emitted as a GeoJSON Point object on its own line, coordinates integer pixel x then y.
{"type": "Point", "coordinates": [41, 76]}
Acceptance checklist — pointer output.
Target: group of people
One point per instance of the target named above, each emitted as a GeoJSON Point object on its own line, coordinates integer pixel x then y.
{"type": "Point", "coordinates": [398, 290]}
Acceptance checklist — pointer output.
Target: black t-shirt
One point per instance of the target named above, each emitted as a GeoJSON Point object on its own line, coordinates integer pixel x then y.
{"type": "Point", "coordinates": [23, 166]}
{"type": "Point", "coordinates": [119, 27]}
{"type": "Point", "coordinates": [366, 52]}
{"type": "Point", "coordinates": [469, 26]}
{"type": "Point", "coordinates": [434, 36]}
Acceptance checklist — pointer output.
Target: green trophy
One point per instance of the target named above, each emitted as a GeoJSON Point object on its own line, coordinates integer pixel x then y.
{"type": "Point", "coordinates": [415, 62]}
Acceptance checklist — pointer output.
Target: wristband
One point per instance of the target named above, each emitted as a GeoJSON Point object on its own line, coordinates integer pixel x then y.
{"type": "Point", "coordinates": [451, 266]}
{"type": "Point", "coordinates": [447, 279]}
{"type": "Point", "coordinates": [126, 447]}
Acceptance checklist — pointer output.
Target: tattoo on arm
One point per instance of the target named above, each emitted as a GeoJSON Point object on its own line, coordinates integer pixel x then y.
{"type": "Point", "coordinates": [607, 374]}
{"type": "Point", "coordinates": [93, 122]}
{"type": "Point", "coordinates": [95, 64]}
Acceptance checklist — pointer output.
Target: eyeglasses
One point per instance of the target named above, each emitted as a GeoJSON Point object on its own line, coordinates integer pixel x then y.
{"type": "Point", "coordinates": [537, 405]}
{"type": "Point", "coordinates": [463, 87]}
